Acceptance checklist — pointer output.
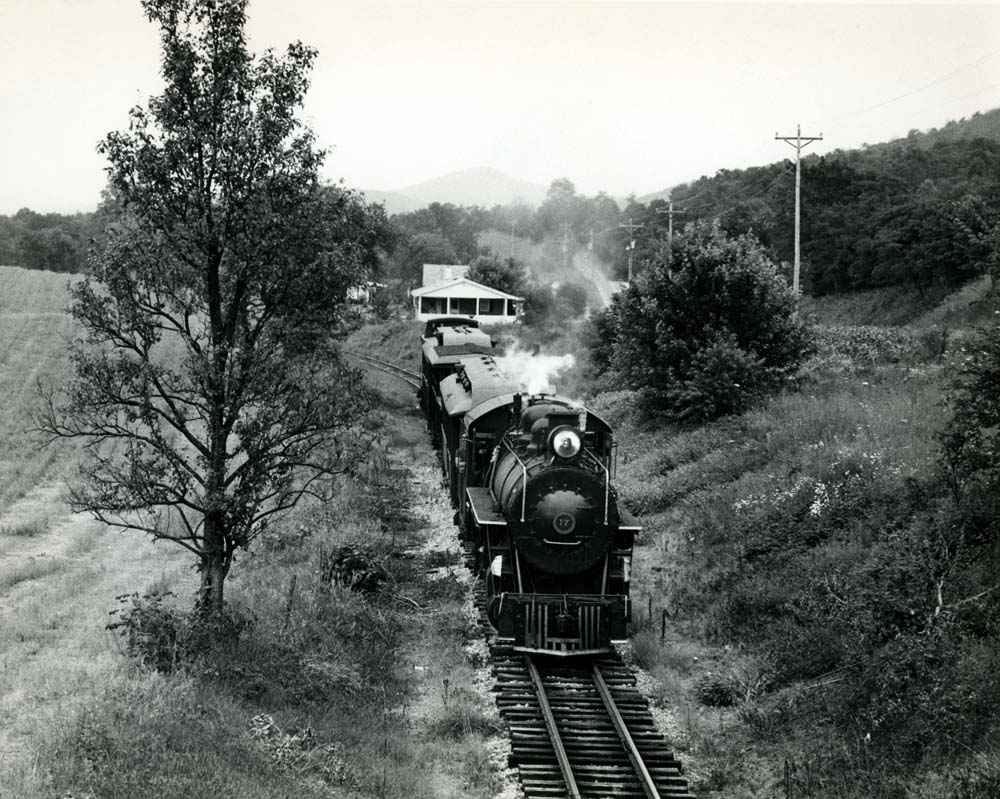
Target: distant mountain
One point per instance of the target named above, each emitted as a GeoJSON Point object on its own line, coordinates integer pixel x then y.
{"type": "Point", "coordinates": [394, 202]}
{"type": "Point", "coordinates": [483, 186]}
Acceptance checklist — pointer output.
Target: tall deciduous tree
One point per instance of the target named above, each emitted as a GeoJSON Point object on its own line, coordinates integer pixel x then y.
{"type": "Point", "coordinates": [208, 387]}
{"type": "Point", "coordinates": [503, 274]}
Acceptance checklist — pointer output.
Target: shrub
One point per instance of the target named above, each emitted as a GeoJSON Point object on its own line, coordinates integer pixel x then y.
{"type": "Point", "coordinates": [356, 567]}
{"type": "Point", "coordinates": [574, 296]}
{"type": "Point", "coordinates": [164, 638]}
{"type": "Point", "coordinates": [707, 330]}
{"type": "Point", "coordinates": [971, 438]}
{"type": "Point", "coordinates": [149, 629]}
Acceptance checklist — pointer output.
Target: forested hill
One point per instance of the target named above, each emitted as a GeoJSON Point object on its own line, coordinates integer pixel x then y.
{"type": "Point", "coordinates": [918, 211]}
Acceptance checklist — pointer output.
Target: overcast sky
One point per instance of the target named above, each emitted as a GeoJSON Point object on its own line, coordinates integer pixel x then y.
{"type": "Point", "coordinates": [621, 97]}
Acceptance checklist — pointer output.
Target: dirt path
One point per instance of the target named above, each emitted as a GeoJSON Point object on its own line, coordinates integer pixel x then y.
{"type": "Point", "coordinates": [590, 268]}
{"type": "Point", "coordinates": [453, 678]}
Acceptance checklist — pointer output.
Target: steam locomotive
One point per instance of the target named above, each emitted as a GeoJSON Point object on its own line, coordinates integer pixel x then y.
{"type": "Point", "coordinates": [531, 478]}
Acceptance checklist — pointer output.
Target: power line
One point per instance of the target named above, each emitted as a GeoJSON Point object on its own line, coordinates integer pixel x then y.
{"type": "Point", "coordinates": [669, 211]}
{"type": "Point", "coordinates": [919, 89]}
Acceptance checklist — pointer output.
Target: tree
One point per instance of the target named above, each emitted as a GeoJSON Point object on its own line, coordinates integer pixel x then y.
{"type": "Point", "coordinates": [706, 332]}
{"type": "Point", "coordinates": [208, 389]}
{"type": "Point", "coordinates": [574, 297]}
{"type": "Point", "coordinates": [503, 274]}
{"type": "Point", "coordinates": [420, 249]}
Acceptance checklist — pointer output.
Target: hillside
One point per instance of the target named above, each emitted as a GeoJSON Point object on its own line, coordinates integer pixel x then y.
{"type": "Point", "coordinates": [917, 212]}
{"type": "Point", "coordinates": [810, 598]}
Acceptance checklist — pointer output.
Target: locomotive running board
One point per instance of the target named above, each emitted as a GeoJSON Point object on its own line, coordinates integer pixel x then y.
{"type": "Point", "coordinates": [481, 504]}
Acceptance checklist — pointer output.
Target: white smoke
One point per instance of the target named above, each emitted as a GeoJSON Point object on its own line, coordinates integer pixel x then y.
{"type": "Point", "coordinates": [533, 373]}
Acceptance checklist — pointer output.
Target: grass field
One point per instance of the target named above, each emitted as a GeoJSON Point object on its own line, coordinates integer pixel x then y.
{"type": "Point", "coordinates": [33, 329]}
{"type": "Point", "coordinates": [59, 572]}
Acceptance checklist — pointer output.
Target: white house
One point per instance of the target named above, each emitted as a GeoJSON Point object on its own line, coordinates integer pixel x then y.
{"type": "Point", "coordinates": [459, 296]}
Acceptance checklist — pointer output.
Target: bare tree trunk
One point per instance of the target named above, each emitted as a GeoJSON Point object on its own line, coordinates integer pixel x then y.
{"type": "Point", "coordinates": [214, 567]}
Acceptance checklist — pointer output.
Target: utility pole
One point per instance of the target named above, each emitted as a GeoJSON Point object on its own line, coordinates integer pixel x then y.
{"type": "Point", "coordinates": [798, 141]}
{"type": "Point", "coordinates": [669, 211]}
{"type": "Point", "coordinates": [631, 245]}
{"type": "Point", "coordinates": [567, 228]}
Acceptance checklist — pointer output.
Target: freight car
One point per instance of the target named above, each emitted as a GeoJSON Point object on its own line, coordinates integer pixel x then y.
{"type": "Point", "coordinates": [531, 478]}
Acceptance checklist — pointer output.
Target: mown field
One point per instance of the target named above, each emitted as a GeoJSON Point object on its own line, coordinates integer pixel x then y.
{"type": "Point", "coordinates": [59, 572]}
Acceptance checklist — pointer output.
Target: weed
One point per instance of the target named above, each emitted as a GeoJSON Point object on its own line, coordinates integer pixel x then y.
{"type": "Point", "coordinates": [30, 569]}
{"type": "Point", "coordinates": [26, 529]}
{"type": "Point", "coordinates": [463, 714]}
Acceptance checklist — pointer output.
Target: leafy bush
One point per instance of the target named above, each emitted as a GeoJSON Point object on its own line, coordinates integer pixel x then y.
{"type": "Point", "coordinates": [165, 639]}
{"type": "Point", "coordinates": [150, 630]}
{"type": "Point", "coordinates": [356, 567]}
{"type": "Point", "coordinates": [706, 330]}
{"type": "Point", "coordinates": [971, 439]}
{"type": "Point", "coordinates": [573, 296]}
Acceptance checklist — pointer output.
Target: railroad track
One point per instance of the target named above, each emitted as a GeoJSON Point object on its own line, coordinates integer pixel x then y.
{"type": "Point", "coordinates": [408, 376]}
{"type": "Point", "coordinates": [579, 729]}
{"type": "Point", "coordinates": [582, 730]}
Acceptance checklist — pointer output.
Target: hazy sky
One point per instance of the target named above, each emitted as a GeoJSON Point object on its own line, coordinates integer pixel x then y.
{"type": "Point", "coordinates": [619, 97]}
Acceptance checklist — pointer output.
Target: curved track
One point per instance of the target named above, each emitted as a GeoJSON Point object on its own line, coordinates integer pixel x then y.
{"type": "Point", "coordinates": [408, 376]}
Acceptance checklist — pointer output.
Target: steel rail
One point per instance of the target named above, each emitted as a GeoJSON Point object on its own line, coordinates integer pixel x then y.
{"type": "Point", "coordinates": [554, 736]}
{"type": "Point", "coordinates": [645, 779]}
{"type": "Point", "coordinates": [412, 378]}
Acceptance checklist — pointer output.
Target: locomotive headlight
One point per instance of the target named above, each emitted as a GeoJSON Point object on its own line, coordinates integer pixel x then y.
{"type": "Point", "coordinates": [565, 442]}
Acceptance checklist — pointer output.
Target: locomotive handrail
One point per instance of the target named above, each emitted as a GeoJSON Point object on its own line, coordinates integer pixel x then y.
{"type": "Point", "coordinates": [524, 480]}
{"type": "Point", "coordinates": [607, 484]}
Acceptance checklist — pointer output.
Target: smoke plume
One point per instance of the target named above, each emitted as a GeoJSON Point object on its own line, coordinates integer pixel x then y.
{"type": "Point", "coordinates": [533, 373]}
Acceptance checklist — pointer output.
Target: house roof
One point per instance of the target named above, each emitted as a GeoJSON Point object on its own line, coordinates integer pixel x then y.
{"type": "Point", "coordinates": [479, 288]}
